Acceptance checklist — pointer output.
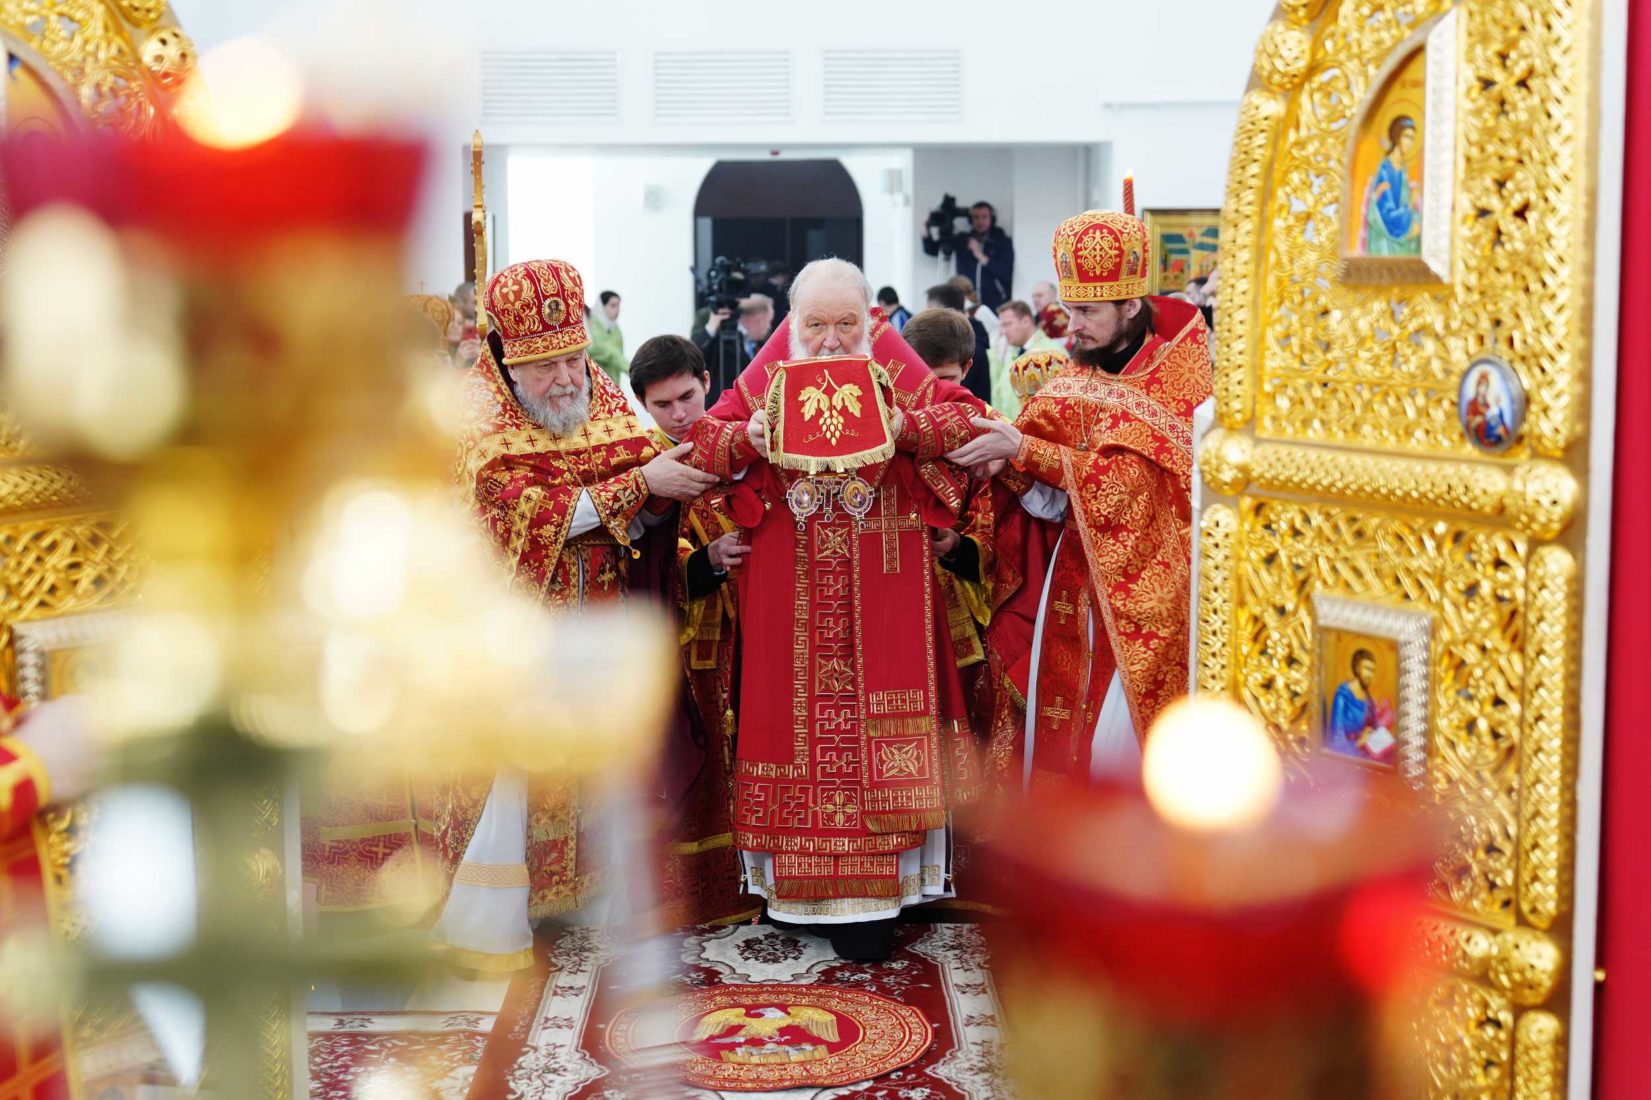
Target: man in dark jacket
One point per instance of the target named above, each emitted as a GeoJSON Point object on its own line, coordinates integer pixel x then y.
{"type": "Point", "coordinates": [987, 257]}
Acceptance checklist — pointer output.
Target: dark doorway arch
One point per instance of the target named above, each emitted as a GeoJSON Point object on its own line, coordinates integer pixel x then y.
{"type": "Point", "coordinates": [773, 216]}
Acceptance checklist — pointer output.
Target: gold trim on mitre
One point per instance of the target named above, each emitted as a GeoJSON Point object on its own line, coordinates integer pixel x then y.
{"type": "Point", "coordinates": [550, 345]}
{"type": "Point", "coordinates": [1074, 259]}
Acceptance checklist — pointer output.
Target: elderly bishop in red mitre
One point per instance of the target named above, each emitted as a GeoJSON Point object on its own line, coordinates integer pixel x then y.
{"type": "Point", "coordinates": [559, 473]}
{"type": "Point", "coordinates": [1107, 443]}
{"type": "Point", "coordinates": [853, 742]}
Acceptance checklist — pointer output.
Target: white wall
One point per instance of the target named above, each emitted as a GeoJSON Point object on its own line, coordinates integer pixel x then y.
{"type": "Point", "coordinates": [1160, 97]}
{"type": "Point", "coordinates": [1033, 187]}
{"type": "Point", "coordinates": [647, 255]}
{"type": "Point", "coordinates": [888, 217]}
{"type": "Point", "coordinates": [1178, 152]}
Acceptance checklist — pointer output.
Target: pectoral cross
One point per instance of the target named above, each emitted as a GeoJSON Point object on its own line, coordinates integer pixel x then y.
{"type": "Point", "coordinates": [1058, 712]}
{"type": "Point", "coordinates": [1064, 607]}
{"type": "Point", "coordinates": [890, 526]}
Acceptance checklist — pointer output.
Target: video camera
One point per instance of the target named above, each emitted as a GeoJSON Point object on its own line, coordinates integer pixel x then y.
{"type": "Point", "coordinates": [940, 232]}
{"type": "Point", "coordinates": [728, 281]}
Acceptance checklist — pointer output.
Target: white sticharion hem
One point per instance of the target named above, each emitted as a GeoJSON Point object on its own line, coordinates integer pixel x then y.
{"type": "Point", "coordinates": [486, 911]}
{"type": "Point", "coordinates": [925, 875]}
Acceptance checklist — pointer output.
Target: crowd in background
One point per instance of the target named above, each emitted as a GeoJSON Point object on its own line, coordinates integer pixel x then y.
{"type": "Point", "coordinates": [1001, 329]}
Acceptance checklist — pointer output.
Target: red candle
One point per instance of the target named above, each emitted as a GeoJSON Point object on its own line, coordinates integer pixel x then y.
{"type": "Point", "coordinates": [1260, 960]}
{"type": "Point", "coordinates": [1129, 193]}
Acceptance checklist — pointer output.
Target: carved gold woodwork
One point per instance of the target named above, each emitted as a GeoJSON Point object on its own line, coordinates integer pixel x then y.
{"type": "Point", "coordinates": [1338, 471]}
{"type": "Point", "coordinates": [111, 59]}
{"type": "Point", "coordinates": [1520, 285]}
{"type": "Point", "coordinates": [111, 62]}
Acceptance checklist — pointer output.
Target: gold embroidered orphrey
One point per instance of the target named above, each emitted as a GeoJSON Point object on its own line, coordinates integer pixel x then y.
{"type": "Point", "coordinates": [1338, 471]}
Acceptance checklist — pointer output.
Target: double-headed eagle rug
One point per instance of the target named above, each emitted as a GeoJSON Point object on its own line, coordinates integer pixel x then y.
{"type": "Point", "coordinates": [772, 1037]}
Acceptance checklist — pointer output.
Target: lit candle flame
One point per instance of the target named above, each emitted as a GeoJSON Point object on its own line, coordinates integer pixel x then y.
{"type": "Point", "coordinates": [243, 92]}
{"type": "Point", "coordinates": [1209, 765]}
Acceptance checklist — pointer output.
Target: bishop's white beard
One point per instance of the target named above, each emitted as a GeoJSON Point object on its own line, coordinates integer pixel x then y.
{"type": "Point", "coordinates": [861, 347]}
{"type": "Point", "coordinates": [560, 421]}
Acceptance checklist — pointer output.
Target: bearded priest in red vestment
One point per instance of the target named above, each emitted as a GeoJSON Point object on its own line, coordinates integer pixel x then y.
{"type": "Point", "coordinates": [853, 742]}
{"type": "Point", "coordinates": [1108, 443]}
{"type": "Point", "coordinates": [559, 472]}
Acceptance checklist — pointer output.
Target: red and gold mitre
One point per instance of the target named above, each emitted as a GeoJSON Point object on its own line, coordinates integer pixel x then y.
{"type": "Point", "coordinates": [438, 309]}
{"type": "Point", "coordinates": [1028, 373]}
{"type": "Point", "coordinates": [1102, 256]}
{"type": "Point", "coordinates": [538, 310]}
{"type": "Point", "coordinates": [1053, 319]}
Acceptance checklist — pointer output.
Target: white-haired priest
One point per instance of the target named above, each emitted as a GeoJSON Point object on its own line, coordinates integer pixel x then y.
{"type": "Point", "coordinates": [853, 744]}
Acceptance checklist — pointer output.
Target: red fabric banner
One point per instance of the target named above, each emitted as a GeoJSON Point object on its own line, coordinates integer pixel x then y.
{"type": "Point", "coordinates": [1625, 903]}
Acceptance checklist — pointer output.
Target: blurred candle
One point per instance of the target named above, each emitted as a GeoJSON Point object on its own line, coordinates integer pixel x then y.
{"type": "Point", "coordinates": [1210, 765]}
{"type": "Point", "coordinates": [244, 92]}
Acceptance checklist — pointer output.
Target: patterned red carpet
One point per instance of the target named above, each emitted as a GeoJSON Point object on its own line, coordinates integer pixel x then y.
{"type": "Point", "coordinates": [551, 1039]}
{"type": "Point", "coordinates": [354, 1055]}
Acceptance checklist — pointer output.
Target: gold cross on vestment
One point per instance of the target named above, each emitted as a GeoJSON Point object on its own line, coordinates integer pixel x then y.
{"type": "Point", "coordinates": [1064, 607]}
{"type": "Point", "coordinates": [1058, 712]}
{"type": "Point", "coordinates": [890, 526]}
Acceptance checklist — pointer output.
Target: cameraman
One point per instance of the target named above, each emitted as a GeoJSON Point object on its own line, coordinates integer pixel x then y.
{"type": "Point", "coordinates": [726, 356]}
{"type": "Point", "coordinates": [987, 256]}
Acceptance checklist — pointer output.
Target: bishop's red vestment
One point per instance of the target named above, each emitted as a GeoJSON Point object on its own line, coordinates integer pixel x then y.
{"type": "Point", "coordinates": [853, 740]}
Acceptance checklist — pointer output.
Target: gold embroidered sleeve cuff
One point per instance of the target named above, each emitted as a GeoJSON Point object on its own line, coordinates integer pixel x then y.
{"type": "Point", "coordinates": [721, 447]}
{"type": "Point", "coordinates": [1039, 458]}
{"type": "Point", "coordinates": [937, 430]}
{"type": "Point", "coordinates": [618, 500]}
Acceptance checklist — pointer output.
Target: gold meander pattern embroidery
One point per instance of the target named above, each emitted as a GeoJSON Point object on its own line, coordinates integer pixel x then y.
{"type": "Point", "coordinates": [1474, 579]}
{"type": "Point", "coordinates": [1526, 298]}
{"type": "Point", "coordinates": [896, 701]}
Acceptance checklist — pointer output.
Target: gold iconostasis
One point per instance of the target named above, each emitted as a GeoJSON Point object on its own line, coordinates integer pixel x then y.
{"type": "Point", "coordinates": [1390, 543]}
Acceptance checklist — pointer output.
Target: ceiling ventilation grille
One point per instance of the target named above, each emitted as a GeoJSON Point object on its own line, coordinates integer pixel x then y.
{"type": "Point", "coordinates": [730, 86]}
{"type": "Point", "coordinates": [893, 85]}
{"type": "Point", "coordinates": [550, 87]}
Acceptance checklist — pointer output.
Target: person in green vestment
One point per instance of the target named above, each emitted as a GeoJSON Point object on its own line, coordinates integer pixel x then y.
{"type": "Point", "coordinates": [1019, 334]}
{"type": "Point", "coordinates": [607, 343]}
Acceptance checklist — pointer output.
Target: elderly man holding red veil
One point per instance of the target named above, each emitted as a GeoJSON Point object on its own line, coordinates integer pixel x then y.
{"type": "Point", "coordinates": [1108, 444]}
{"type": "Point", "coordinates": [559, 473]}
{"type": "Point", "coordinates": [853, 742]}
